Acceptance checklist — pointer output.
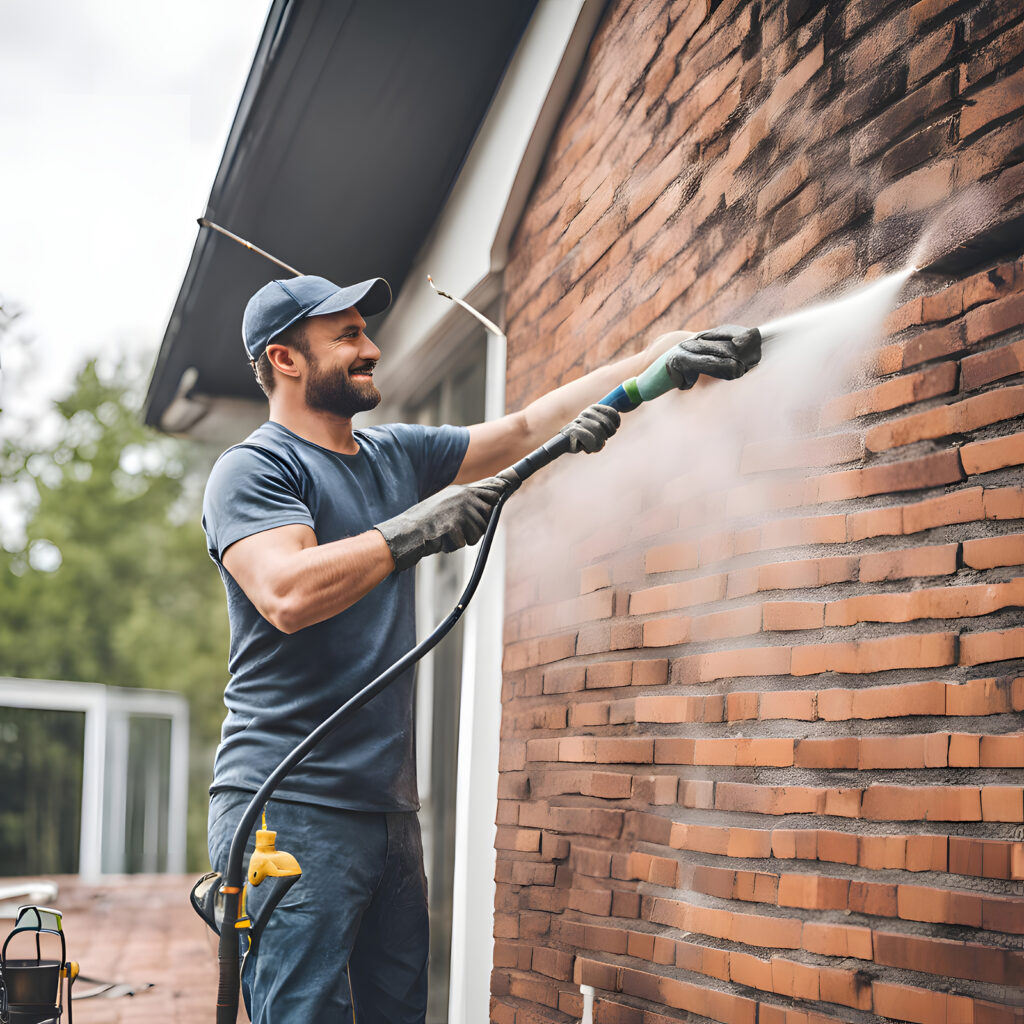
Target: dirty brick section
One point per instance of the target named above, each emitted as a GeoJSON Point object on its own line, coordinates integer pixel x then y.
{"type": "Point", "coordinates": [765, 765]}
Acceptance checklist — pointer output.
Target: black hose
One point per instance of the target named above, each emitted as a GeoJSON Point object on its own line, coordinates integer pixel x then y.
{"type": "Point", "coordinates": [234, 879]}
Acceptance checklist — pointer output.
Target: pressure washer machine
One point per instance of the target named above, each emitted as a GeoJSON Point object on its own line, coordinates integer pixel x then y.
{"type": "Point", "coordinates": [32, 990]}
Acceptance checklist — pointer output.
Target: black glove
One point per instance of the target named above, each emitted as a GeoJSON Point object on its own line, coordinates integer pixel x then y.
{"type": "Point", "coordinates": [592, 428]}
{"type": "Point", "coordinates": [446, 521]}
{"type": "Point", "coordinates": [726, 352]}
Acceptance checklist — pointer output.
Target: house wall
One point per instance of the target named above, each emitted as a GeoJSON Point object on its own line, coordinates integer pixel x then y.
{"type": "Point", "coordinates": [761, 747]}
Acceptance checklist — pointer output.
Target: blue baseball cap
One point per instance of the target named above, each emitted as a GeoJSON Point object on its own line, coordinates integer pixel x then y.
{"type": "Point", "coordinates": [279, 304]}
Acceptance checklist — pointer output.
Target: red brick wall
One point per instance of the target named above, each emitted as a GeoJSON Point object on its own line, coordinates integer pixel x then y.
{"type": "Point", "coordinates": [767, 767]}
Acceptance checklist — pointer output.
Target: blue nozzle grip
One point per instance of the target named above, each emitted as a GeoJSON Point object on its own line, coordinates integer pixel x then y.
{"type": "Point", "coordinates": [621, 399]}
{"type": "Point", "coordinates": [630, 394]}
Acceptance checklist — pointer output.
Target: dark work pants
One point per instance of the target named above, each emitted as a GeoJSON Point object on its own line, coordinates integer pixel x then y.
{"type": "Point", "coordinates": [352, 931]}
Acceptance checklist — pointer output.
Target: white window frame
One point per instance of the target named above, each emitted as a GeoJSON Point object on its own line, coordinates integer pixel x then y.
{"type": "Point", "coordinates": [105, 766]}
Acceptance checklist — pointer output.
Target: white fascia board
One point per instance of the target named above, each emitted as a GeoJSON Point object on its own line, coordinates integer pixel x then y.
{"type": "Point", "coordinates": [468, 247]}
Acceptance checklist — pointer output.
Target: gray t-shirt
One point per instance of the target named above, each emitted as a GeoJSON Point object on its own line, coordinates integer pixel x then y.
{"type": "Point", "coordinates": [283, 686]}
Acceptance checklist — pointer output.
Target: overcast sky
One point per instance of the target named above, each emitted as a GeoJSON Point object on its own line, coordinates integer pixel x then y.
{"type": "Point", "coordinates": [113, 118]}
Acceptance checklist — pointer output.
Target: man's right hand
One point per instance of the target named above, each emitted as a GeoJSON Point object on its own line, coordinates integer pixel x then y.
{"type": "Point", "coordinates": [726, 352]}
{"type": "Point", "coordinates": [445, 522]}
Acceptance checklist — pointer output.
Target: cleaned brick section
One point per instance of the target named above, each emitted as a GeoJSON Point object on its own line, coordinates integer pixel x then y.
{"type": "Point", "coordinates": [761, 749]}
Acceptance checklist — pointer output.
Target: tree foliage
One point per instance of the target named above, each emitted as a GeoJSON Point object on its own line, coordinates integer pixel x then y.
{"type": "Point", "coordinates": [110, 581]}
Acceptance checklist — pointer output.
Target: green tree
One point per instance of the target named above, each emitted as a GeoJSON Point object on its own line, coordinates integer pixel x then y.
{"type": "Point", "coordinates": [109, 580]}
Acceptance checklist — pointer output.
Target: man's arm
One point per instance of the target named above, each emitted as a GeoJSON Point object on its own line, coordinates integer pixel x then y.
{"type": "Point", "coordinates": [295, 582]}
{"type": "Point", "coordinates": [499, 443]}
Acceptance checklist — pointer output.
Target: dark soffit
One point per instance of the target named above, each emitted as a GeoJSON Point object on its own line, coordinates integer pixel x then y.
{"type": "Point", "coordinates": [352, 126]}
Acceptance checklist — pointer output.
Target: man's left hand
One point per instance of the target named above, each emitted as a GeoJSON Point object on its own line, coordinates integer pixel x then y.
{"type": "Point", "coordinates": [726, 352]}
{"type": "Point", "coordinates": [589, 431]}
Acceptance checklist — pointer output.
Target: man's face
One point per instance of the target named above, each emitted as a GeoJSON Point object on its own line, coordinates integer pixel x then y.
{"type": "Point", "coordinates": [341, 359]}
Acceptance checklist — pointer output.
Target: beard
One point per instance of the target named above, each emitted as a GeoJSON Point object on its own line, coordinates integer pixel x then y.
{"type": "Point", "coordinates": [335, 392]}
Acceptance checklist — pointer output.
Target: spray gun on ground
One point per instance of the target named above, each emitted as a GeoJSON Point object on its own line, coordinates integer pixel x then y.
{"type": "Point", "coordinates": [220, 900]}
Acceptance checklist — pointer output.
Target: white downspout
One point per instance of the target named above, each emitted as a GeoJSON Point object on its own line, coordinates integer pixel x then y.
{"type": "Point", "coordinates": [588, 1004]}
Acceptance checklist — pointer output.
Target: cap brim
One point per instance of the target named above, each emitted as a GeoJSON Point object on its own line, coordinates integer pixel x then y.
{"type": "Point", "coordinates": [368, 297]}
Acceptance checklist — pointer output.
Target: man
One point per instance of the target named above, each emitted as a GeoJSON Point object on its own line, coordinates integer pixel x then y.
{"type": "Point", "coordinates": [313, 526]}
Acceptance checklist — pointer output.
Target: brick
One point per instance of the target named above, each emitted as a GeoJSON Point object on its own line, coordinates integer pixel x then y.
{"type": "Point", "coordinates": [982, 857]}
{"type": "Point", "coordinates": [882, 852]}
{"type": "Point", "coordinates": [917, 1005]}
{"type": "Point", "coordinates": [741, 706]}
{"type": "Point", "coordinates": [892, 394]}
{"type": "Point", "coordinates": [979, 697]}
{"type": "Point", "coordinates": [595, 577]}
{"type": "Point", "coordinates": [797, 575]}
{"type": "Point", "coordinates": [922, 803]}
{"type": "Point", "coordinates": [703, 590]}
{"type": "Point", "coordinates": [930, 560]}
{"type": "Point", "coordinates": [995, 364]}
{"type": "Point", "coordinates": [946, 420]}
{"type": "Point", "coordinates": [595, 712]}
{"type": "Point", "coordinates": [563, 679]}
{"type": "Point", "coordinates": [920, 751]}
{"type": "Point", "coordinates": [925, 698]}
{"type": "Point", "coordinates": [997, 453]}
{"type": "Point", "coordinates": [608, 674]}
{"type": "Point", "coordinates": [783, 185]}
{"type": "Point", "coordinates": [696, 793]}
{"type": "Point", "coordinates": [878, 522]}
{"type": "Point", "coordinates": [931, 53]}
{"type": "Point", "coordinates": [923, 903]}
{"type": "Point", "coordinates": [650, 672]}
{"type": "Point", "coordinates": [873, 899]}
{"type": "Point", "coordinates": [1004, 503]}
{"type": "Point", "coordinates": [1002, 803]}
{"type": "Point", "coordinates": [917, 190]}
{"type": "Point", "coordinates": [797, 705]}
{"type": "Point", "coordinates": [989, 552]}
{"type": "Point", "coordinates": [960, 507]}
{"type": "Point", "coordinates": [996, 101]}
{"type": "Point", "coordinates": [998, 645]}
{"type": "Point", "coordinates": [837, 940]}
{"type": "Point", "coordinates": [751, 661]}
{"type": "Point", "coordinates": [671, 557]}
{"type": "Point", "coordinates": [922, 650]}
{"type": "Point", "coordinates": [827, 753]}
{"type": "Point", "coordinates": [735, 622]}
{"type": "Point", "coordinates": [553, 847]}
{"type": "Point", "coordinates": [922, 146]}
{"type": "Point", "coordinates": [790, 615]}
{"type": "Point", "coordinates": [908, 475]}
{"type": "Point", "coordinates": [928, 603]}
{"type": "Point", "coordinates": [813, 892]}
{"type": "Point", "coordinates": [934, 343]}
{"type": "Point", "coordinates": [845, 988]}
{"type": "Point", "coordinates": [751, 971]}
{"type": "Point", "coordinates": [926, 853]}
{"type": "Point", "coordinates": [964, 751]}
{"type": "Point", "coordinates": [1003, 751]}
{"type": "Point", "coordinates": [669, 709]}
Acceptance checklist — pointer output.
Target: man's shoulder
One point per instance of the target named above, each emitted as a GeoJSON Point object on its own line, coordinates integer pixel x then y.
{"type": "Point", "coordinates": [264, 450]}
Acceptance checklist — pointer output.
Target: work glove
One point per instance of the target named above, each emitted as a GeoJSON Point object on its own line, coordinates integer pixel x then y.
{"type": "Point", "coordinates": [726, 352]}
{"type": "Point", "coordinates": [592, 428]}
{"type": "Point", "coordinates": [446, 521]}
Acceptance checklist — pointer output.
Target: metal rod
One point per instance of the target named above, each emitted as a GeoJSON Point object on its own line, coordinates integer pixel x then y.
{"type": "Point", "coordinates": [488, 325]}
{"type": "Point", "coordinates": [205, 223]}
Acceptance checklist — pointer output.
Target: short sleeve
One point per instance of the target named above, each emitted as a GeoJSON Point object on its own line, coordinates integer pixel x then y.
{"type": "Point", "coordinates": [249, 491]}
{"type": "Point", "coordinates": [436, 453]}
